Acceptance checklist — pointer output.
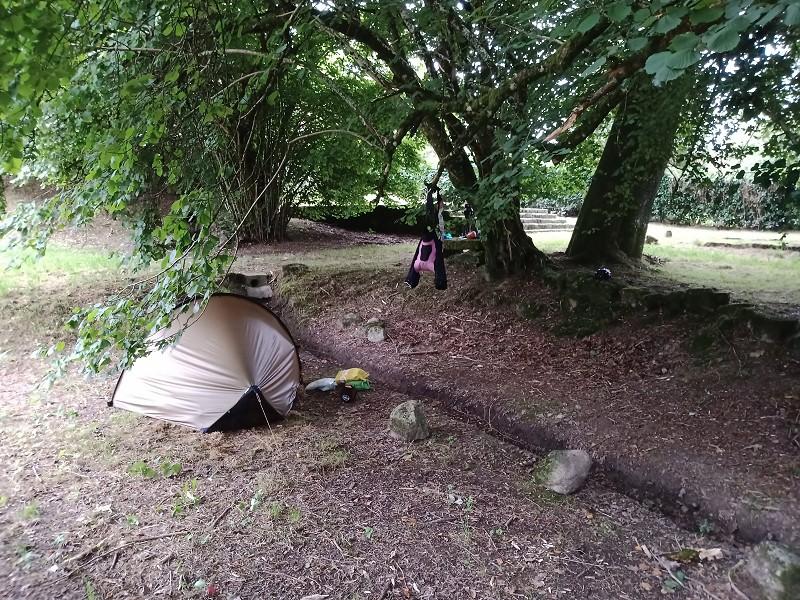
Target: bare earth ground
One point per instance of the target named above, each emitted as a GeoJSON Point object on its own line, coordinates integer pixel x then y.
{"type": "Point", "coordinates": [725, 421]}
{"type": "Point", "coordinates": [325, 503]}
{"type": "Point", "coordinates": [720, 427]}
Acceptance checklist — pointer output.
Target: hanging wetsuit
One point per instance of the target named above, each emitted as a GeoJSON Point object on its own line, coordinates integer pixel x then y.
{"type": "Point", "coordinates": [429, 255]}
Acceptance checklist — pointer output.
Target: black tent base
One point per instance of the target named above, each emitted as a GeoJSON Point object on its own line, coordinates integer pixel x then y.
{"type": "Point", "coordinates": [249, 411]}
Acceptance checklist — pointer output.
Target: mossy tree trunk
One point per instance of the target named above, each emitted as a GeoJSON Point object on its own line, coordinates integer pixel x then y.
{"type": "Point", "coordinates": [612, 223]}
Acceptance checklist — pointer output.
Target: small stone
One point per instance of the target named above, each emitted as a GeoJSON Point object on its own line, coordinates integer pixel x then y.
{"type": "Point", "coordinates": [776, 569]}
{"type": "Point", "coordinates": [348, 320]}
{"type": "Point", "coordinates": [668, 233]}
{"type": "Point", "coordinates": [375, 331]}
{"type": "Point", "coordinates": [564, 471]}
{"type": "Point", "coordinates": [262, 292]}
{"type": "Point", "coordinates": [408, 423]}
{"type": "Point", "coordinates": [295, 270]}
{"type": "Point", "coordinates": [650, 240]}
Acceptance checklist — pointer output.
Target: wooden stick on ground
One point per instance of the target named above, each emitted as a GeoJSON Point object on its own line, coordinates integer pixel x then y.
{"type": "Point", "coordinates": [125, 545]}
{"type": "Point", "coordinates": [221, 516]}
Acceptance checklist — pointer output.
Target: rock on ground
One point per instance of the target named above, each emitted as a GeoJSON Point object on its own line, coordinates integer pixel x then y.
{"type": "Point", "coordinates": [375, 330]}
{"type": "Point", "coordinates": [348, 320]}
{"type": "Point", "coordinates": [408, 423]}
{"type": "Point", "coordinates": [776, 569]}
{"type": "Point", "coordinates": [564, 471]}
{"type": "Point", "coordinates": [295, 270]}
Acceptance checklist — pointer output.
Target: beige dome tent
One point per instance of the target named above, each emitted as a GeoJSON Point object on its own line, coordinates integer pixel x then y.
{"type": "Point", "coordinates": [234, 366]}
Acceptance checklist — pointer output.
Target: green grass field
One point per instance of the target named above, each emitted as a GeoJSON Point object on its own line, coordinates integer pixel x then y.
{"type": "Point", "coordinates": [750, 274]}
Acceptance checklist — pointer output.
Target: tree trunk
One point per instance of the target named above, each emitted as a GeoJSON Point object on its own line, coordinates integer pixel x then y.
{"type": "Point", "coordinates": [507, 248]}
{"type": "Point", "coordinates": [612, 223]}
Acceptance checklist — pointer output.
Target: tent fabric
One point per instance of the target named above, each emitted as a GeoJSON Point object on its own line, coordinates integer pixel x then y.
{"type": "Point", "coordinates": [232, 358]}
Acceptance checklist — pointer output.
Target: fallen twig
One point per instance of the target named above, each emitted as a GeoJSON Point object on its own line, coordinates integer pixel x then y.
{"type": "Point", "coordinates": [733, 585]}
{"type": "Point", "coordinates": [126, 545]}
{"type": "Point", "coordinates": [221, 516]}
{"type": "Point", "coordinates": [418, 352]}
{"type": "Point", "coordinates": [88, 550]}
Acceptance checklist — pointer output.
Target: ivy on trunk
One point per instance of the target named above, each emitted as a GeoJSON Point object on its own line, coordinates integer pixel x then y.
{"type": "Point", "coordinates": [612, 223]}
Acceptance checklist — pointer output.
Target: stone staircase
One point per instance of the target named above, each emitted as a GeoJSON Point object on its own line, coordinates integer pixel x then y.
{"type": "Point", "coordinates": [537, 220]}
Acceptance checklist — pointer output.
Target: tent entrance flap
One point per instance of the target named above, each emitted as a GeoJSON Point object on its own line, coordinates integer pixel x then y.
{"type": "Point", "coordinates": [249, 411]}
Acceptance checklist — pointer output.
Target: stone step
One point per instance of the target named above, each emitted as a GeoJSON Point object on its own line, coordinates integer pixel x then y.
{"type": "Point", "coordinates": [536, 231]}
{"type": "Point", "coordinates": [547, 227]}
{"type": "Point", "coordinates": [543, 219]}
{"type": "Point", "coordinates": [534, 211]}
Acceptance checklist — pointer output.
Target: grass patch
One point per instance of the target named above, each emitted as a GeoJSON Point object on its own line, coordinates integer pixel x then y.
{"type": "Point", "coordinates": [751, 274]}
{"type": "Point", "coordinates": [755, 275]}
{"type": "Point", "coordinates": [59, 262]}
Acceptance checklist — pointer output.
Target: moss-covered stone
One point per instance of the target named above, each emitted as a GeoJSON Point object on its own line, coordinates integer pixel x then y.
{"type": "Point", "coordinates": [563, 471]}
{"type": "Point", "coordinates": [776, 569]}
{"type": "Point", "coordinates": [771, 329]}
{"type": "Point", "coordinates": [453, 247]}
{"type": "Point", "coordinates": [705, 300]}
{"type": "Point", "coordinates": [295, 270]}
{"type": "Point", "coordinates": [632, 297]}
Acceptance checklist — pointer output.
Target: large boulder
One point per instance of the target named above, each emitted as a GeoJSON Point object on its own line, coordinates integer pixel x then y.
{"type": "Point", "coordinates": [564, 471]}
{"type": "Point", "coordinates": [408, 423]}
{"type": "Point", "coordinates": [776, 569]}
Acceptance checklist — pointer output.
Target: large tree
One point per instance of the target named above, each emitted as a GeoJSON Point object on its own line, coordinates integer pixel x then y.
{"type": "Point", "coordinates": [748, 74]}
{"type": "Point", "coordinates": [612, 223]}
{"type": "Point", "coordinates": [182, 90]}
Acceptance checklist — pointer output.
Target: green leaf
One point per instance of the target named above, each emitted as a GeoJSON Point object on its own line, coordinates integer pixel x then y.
{"type": "Point", "coordinates": [723, 41]}
{"type": "Point", "coordinates": [594, 67]}
{"type": "Point", "coordinates": [641, 15]}
{"type": "Point", "coordinates": [172, 75]}
{"type": "Point", "coordinates": [273, 97]}
{"type": "Point", "coordinates": [776, 10]}
{"type": "Point", "coordinates": [792, 18]}
{"type": "Point", "coordinates": [589, 21]}
{"type": "Point", "coordinates": [667, 23]}
{"type": "Point", "coordinates": [656, 62]}
{"type": "Point", "coordinates": [637, 43]}
{"type": "Point", "coordinates": [619, 11]}
{"type": "Point", "coordinates": [706, 15]}
{"type": "Point", "coordinates": [683, 60]}
{"type": "Point", "coordinates": [684, 41]}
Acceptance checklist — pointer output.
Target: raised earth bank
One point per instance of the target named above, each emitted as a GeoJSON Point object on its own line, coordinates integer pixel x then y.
{"type": "Point", "coordinates": [687, 402]}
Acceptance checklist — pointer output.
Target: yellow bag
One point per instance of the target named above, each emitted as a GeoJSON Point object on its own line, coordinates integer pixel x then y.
{"type": "Point", "coordinates": [355, 374]}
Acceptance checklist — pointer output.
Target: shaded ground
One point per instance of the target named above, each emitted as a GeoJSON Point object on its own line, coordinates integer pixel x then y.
{"type": "Point", "coordinates": [326, 503]}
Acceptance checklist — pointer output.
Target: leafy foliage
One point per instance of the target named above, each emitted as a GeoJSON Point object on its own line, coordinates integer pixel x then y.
{"type": "Point", "coordinates": [726, 203]}
{"type": "Point", "coordinates": [199, 125]}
